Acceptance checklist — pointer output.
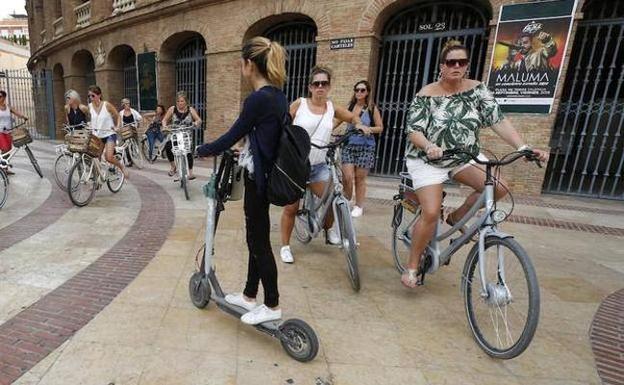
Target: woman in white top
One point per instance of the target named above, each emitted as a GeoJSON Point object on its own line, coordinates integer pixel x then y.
{"type": "Point", "coordinates": [6, 125]}
{"type": "Point", "coordinates": [104, 119]}
{"type": "Point", "coordinates": [316, 115]}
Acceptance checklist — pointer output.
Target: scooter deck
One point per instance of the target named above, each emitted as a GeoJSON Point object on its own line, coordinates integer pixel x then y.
{"type": "Point", "coordinates": [237, 311]}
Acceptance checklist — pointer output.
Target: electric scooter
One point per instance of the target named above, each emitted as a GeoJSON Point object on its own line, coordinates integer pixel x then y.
{"type": "Point", "coordinates": [297, 337]}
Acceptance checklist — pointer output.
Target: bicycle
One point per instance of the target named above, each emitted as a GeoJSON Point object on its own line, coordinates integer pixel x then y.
{"type": "Point", "coordinates": [159, 147]}
{"type": "Point", "coordinates": [21, 138]}
{"type": "Point", "coordinates": [485, 281]}
{"type": "Point", "coordinates": [65, 159]}
{"type": "Point", "coordinates": [130, 149]}
{"type": "Point", "coordinates": [311, 216]}
{"type": "Point", "coordinates": [4, 182]}
{"type": "Point", "coordinates": [181, 146]}
{"type": "Point", "coordinates": [88, 174]}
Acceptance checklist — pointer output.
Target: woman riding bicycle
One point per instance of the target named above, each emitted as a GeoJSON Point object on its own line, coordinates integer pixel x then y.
{"type": "Point", "coordinates": [6, 125]}
{"type": "Point", "coordinates": [264, 67]}
{"type": "Point", "coordinates": [129, 116]}
{"type": "Point", "coordinates": [444, 115]}
{"type": "Point", "coordinates": [182, 114]}
{"type": "Point", "coordinates": [154, 131]}
{"type": "Point", "coordinates": [76, 113]}
{"type": "Point", "coordinates": [104, 119]}
{"type": "Point", "coordinates": [316, 115]}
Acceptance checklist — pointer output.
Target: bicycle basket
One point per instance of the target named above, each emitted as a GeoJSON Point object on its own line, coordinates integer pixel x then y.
{"type": "Point", "coordinates": [85, 143]}
{"type": "Point", "coordinates": [21, 136]}
{"type": "Point", "coordinates": [128, 132]}
{"type": "Point", "coordinates": [181, 142]}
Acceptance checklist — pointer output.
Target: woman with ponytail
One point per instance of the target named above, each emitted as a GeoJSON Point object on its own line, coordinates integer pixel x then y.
{"type": "Point", "coordinates": [448, 114]}
{"type": "Point", "coordinates": [263, 65]}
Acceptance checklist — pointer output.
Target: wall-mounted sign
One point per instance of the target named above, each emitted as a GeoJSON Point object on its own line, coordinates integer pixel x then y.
{"type": "Point", "coordinates": [146, 67]}
{"type": "Point", "coordinates": [344, 43]}
{"type": "Point", "coordinates": [432, 27]}
{"type": "Point", "coordinates": [531, 41]}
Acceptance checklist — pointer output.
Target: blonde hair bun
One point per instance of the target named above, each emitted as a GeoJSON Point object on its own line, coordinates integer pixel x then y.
{"type": "Point", "coordinates": [452, 43]}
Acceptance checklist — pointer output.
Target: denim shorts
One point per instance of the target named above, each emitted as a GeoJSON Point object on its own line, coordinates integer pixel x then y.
{"type": "Point", "coordinates": [110, 138]}
{"type": "Point", "coordinates": [319, 173]}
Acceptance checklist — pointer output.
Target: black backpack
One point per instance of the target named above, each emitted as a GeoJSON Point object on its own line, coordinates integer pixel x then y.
{"type": "Point", "coordinates": [290, 173]}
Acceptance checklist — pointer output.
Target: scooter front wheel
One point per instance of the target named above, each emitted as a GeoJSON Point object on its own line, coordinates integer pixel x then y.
{"type": "Point", "coordinates": [199, 290]}
{"type": "Point", "coordinates": [299, 340]}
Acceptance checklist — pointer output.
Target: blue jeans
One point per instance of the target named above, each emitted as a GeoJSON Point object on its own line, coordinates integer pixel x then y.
{"type": "Point", "coordinates": [152, 136]}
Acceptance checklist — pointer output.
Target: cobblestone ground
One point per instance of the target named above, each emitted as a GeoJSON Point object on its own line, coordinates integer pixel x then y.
{"type": "Point", "coordinates": [98, 295]}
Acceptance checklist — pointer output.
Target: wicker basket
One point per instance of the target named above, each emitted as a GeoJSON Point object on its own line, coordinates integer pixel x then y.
{"type": "Point", "coordinates": [21, 136]}
{"type": "Point", "coordinates": [128, 132]}
{"type": "Point", "coordinates": [85, 143]}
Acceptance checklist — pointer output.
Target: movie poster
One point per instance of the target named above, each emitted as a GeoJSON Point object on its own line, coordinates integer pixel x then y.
{"type": "Point", "coordinates": [146, 63]}
{"type": "Point", "coordinates": [531, 40]}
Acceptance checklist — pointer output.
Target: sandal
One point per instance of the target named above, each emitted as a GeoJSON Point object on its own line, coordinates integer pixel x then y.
{"type": "Point", "coordinates": [192, 177]}
{"type": "Point", "coordinates": [462, 229]}
{"type": "Point", "coordinates": [172, 172]}
{"type": "Point", "coordinates": [411, 278]}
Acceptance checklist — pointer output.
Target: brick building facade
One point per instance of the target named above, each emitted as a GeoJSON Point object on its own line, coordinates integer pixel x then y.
{"type": "Point", "coordinates": [197, 45]}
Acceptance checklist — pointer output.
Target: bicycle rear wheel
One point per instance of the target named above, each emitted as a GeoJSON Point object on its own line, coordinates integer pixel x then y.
{"type": "Point", "coordinates": [145, 151]}
{"type": "Point", "coordinates": [4, 187]}
{"type": "Point", "coordinates": [349, 246]}
{"type": "Point", "coordinates": [62, 165]}
{"type": "Point", "coordinates": [402, 222]}
{"type": "Point", "coordinates": [136, 155]}
{"type": "Point", "coordinates": [81, 182]}
{"type": "Point", "coordinates": [503, 320]}
{"type": "Point", "coordinates": [33, 160]}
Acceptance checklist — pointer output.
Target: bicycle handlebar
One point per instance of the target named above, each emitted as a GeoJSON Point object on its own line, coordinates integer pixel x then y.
{"type": "Point", "coordinates": [338, 142]}
{"type": "Point", "coordinates": [515, 155]}
{"type": "Point", "coordinates": [69, 128]}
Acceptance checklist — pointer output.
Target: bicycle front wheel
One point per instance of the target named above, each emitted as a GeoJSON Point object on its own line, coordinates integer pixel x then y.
{"type": "Point", "coordinates": [33, 160]}
{"type": "Point", "coordinates": [136, 155]}
{"type": "Point", "coordinates": [402, 222]}
{"type": "Point", "coordinates": [184, 176]}
{"type": "Point", "coordinates": [503, 319]}
{"type": "Point", "coordinates": [62, 165]}
{"type": "Point", "coordinates": [4, 187]}
{"type": "Point", "coordinates": [81, 182]}
{"type": "Point", "coordinates": [349, 246]}
{"type": "Point", "coordinates": [115, 178]}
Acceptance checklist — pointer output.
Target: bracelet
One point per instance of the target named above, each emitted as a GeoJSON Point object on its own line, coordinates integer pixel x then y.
{"type": "Point", "coordinates": [524, 147]}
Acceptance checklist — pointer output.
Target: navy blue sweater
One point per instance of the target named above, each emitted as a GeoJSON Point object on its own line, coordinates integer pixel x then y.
{"type": "Point", "coordinates": [259, 120]}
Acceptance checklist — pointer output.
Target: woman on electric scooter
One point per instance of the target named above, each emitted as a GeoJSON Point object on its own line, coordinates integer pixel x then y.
{"type": "Point", "coordinates": [263, 65]}
{"type": "Point", "coordinates": [447, 114]}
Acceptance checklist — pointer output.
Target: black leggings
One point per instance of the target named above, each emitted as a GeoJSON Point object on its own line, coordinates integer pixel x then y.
{"type": "Point", "coordinates": [262, 265]}
{"type": "Point", "coordinates": [169, 154]}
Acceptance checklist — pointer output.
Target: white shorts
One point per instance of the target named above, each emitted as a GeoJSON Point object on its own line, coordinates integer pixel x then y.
{"type": "Point", "coordinates": [424, 174]}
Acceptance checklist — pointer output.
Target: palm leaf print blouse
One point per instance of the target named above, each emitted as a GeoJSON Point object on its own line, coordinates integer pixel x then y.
{"type": "Point", "coordinates": [452, 122]}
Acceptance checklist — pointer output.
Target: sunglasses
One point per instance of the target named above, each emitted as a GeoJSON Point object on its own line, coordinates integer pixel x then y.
{"type": "Point", "coordinates": [91, 95]}
{"type": "Point", "coordinates": [358, 90]}
{"type": "Point", "coordinates": [320, 83]}
{"type": "Point", "coordinates": [456, 62]}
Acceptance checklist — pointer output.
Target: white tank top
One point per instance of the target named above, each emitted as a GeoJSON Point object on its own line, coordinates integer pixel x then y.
{"type": "Point", "coordinates": [101, 121]}
{"type": "Point", "coordinates": [319, 128]}
{"type": "Point", "coordinates": [6, 123]}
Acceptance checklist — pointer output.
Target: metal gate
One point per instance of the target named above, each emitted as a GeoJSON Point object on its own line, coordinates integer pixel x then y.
{"type": "Point", "coordinates": [190, 65]}
{"type": "Point", "coordinates": [32, 95]}
{"type": "Point", "coordinates": [409, 59]}
{"type": "Point", "coordinates": [299, 40]}
{"type": "Point", "coordinates": [587, 140]}
{"type": "Point", "coordinates": [130, 81]}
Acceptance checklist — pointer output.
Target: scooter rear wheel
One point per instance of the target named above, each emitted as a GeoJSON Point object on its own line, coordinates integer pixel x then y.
{"type": "Point", "coordinates": [199, 290]}
{"type": "Point", "coordinates": [299, 340]}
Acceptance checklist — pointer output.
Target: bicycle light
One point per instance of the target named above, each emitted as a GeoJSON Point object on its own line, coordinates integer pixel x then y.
{"type": "Point", "coordinates": [498, 216]}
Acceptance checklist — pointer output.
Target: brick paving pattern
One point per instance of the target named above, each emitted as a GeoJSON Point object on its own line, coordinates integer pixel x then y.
{"type": "Point", "coordinates": [35, 332]}
{"type": "Point", "coordinates": [607, 339]}
{"type": "Point", "coordinates": [54, 207]}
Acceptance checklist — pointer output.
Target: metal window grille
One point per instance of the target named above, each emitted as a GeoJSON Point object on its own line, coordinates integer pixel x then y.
{"type": "Point", "coordinates": [130, 81]}
{"type": "Point", "coordinates": [587, 140]}
{"type": "Point", "coordinates": [190, 65]}
{"type": "Point", "coordinates": [31, 94]}
{"type": "Point", "coordinates": [409, 60]}
{"type": "Point", "coordinates": [299, 40]}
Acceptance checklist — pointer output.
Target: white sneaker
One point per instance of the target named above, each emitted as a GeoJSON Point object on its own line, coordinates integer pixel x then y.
{"type": "Point", "coordinates": [286, 255]}
{"type": "Point", "coordinates": [332, 237]}
{"type": "Point", "coordinates": [239, 300]}
{"type": "Point", "coordinates": [356, 212]}
{"type": "Point", "coordinates": [261, 314]}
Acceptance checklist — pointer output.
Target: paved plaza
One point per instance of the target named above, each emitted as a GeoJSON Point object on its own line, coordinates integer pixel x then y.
{"type": "Point", "coordinates": [98, 295]}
